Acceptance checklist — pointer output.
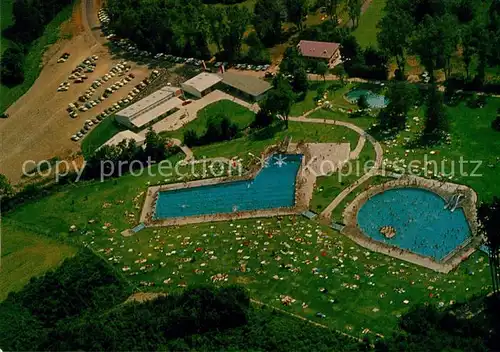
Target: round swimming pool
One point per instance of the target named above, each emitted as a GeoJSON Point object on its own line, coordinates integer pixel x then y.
{"type": "Point", "coordinates": [374, 100]}
{"type": "Point", "coordinates": [419, 220]}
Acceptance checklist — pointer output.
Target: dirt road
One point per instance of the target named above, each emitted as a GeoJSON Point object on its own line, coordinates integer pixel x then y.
{"type": "Point", "coordinates": [39, 127]}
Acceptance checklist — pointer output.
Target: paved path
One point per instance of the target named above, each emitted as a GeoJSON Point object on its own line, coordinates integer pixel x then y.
{"type": "Point", "coordinates": [327, 213]}
{"type": "Point", "coordinates": [189, 112]}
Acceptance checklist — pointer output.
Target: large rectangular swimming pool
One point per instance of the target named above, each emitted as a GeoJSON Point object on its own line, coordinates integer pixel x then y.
{"type": "Point", "coordinates": [273, 187]}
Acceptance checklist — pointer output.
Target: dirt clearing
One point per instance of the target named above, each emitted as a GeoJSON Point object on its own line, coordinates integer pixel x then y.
{"type": "Point", "coordinates": [39, 127]}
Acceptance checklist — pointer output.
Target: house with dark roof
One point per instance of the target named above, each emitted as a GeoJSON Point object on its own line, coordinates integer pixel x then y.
{"type": "Point", "coordinates": [325, 51]}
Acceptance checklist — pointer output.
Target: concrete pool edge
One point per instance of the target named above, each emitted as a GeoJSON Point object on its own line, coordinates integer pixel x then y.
{"type": "Point", "coordinates": [443, 189]}
{"type": "Point", "coordinates": [304, 181]}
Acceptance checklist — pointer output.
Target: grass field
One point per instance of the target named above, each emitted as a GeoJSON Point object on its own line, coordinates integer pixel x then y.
{"type": "Point", "coordinates": [100, 134]}
{"type": "Point", "coordinates": [5, 22]}
{"type": "Point", "coordinates": [472, 140]}
{"type": "Point", "coordinates": [366, 33]}
{"type": "Point", "coordinates": [305, 132]}
{"type": "Point", "coordinates": [33, 59]}
{"type": "Point", "coordinates": [289, 256]}
{"type": "Point", "coordinates": [26, 254]}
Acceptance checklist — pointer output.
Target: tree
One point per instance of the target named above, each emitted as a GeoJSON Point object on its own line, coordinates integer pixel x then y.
{"type": "Point", "coordinates": [279, 100]}
{"type": "Point", "coordinates": [469, 45]}
{"type": "Point", "coordinates": [292, 61]}
{"type": "Point", "coordinates": [238, 18]}
{"type": "Point", "coordinates": [11, 66]}
{"type": "Point", "coordinates": [496, 123]}
{"type": "Point", "coordinates": [363, 102]}
{"type": "Point", "coordinates": [401, 96]}
{"type": "Point", "coordinates": [263, 118]}
{"type": "Point", "coordinates": [489, 218]}
{"type": "Point", "coordinates": [297, 12]}
{"type": "Point", "coordinates": [436, 119]}
{"type": "Point", "coordinates": [155, 146]}
{"type": "Point", "coordinates": [322, 69]}
{"type": "Point", "coordinates": [219, 128]}
{"type": "Point", "coordinates": [354, 9]}
{"type": "Point", "coordinates": [300, 82]}
{"type": "Point", "coordinates": [6, 189]}
{"type": "Point", "coordinates": [396, 29]}
{"type": "Point", "coordinates": [215, 17]}
{"type": "Point", "coordinates": [257, 52]}
{"type": "Point", "coordinates": [435, 42]}
{"type": "Point", "coordinates": [331, 8]}
{"type": "Point", "coordinates": [267, 21]}
{"type": "Point", "coordinates": [351, 51]}
{"type": "Point", "coordinates": [339, 71]}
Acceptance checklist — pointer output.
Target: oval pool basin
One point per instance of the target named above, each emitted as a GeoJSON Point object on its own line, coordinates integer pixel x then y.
{"type": "Point", "coordinates": [421, 222]}
{"type": "Point", "coordinates": [374, 100]}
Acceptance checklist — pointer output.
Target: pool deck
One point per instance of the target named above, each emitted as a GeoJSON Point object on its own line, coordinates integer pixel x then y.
{"type": "Point", "coordinates": [445, 190]}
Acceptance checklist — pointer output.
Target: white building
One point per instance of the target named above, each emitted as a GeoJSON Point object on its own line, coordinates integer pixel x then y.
{"type": "Point", "coordinates": [125, 135]}
{"type": "Point", "coordinates": [201, 84]}
{"type": "Point", "coordinates": [150, 109]}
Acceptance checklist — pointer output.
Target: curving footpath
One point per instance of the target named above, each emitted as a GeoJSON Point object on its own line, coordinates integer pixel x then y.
{"type": "Point", "coordinates": [327, 212]}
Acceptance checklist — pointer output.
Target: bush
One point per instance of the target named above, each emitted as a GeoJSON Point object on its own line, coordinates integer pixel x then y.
{"type": "Point", "coordinates": [190, 138]}
{"type": "Point", "coordinates": [219, 128]}
{"type": "Point", "coordinates": [496, 124]}
{"type": "Point", "coordinates": [263, 118]}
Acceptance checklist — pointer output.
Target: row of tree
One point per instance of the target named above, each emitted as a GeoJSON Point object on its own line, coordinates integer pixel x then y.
{"type": "Point", "coordinates": [111, 159]}
{"type": "Point", "coordinates": [218, 128]}
{"type": "Point", "coordinates": [434, 30]}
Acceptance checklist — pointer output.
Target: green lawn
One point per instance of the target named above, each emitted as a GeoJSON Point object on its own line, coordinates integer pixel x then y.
{"type": "Point", "coordinates": [366, 33]}
{"type": "Point", "coordinates": [26, 254]}
{"type": "Point", "coordinates": [298, 131]}
{"type": "Point", "coordinates": [335, 93]}
{"type": "Point", "coordinates": [472, 140]}
{"type": "Point", "coordinates": [33, 59]}
{"type": "Point", "coordinates": [106, 129]}
{"type": "Point", "coordinates": [238, 114]}
{"type": "Point", "coordinates": [289, 256]}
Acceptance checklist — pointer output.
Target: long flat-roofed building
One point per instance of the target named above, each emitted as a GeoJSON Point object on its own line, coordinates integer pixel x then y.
{"type": "Point", "coordinates": [150, 109]}
{"type": "Point", "coordinates": [249, 87]}
{"type": "Point", "coordinates": [202, 84]}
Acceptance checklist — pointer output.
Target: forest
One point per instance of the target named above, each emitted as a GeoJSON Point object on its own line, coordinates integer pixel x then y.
{"type": "Point", "coordinates": [30, 18]}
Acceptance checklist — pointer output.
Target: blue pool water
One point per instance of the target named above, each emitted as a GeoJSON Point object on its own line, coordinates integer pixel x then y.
{"type": "Point", "coordinates": [273, 187]}
{"type": "Point", "coordinates": [422, 224]}
{"type": "Point", "coordinates": [374, 100]}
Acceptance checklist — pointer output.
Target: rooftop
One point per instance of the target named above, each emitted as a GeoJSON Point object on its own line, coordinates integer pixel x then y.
{"type": "Point", "coordinates": [146, 103]}
{"type": "Point", "coordinates": [321, 50]}
{"type": "Point", "coordinates": [124, 135]}
{"type": "Point", "coordinates": [203, 81]}
{"type": "Point", "coordinates": [245, 83]}
{"type": "Point", "coordinates": [156, 111]}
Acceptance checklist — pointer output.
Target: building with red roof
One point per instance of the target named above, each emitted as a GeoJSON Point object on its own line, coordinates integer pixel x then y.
{"type": "Point", "coordinates": [325, 51]}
